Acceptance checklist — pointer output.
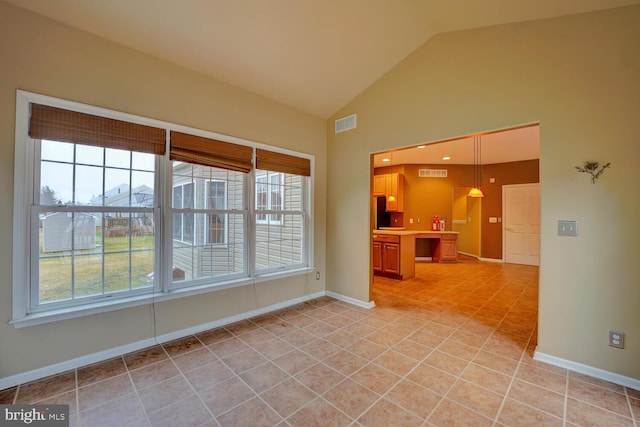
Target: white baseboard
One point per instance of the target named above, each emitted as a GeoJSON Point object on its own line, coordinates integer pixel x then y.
{"type": "Point", "coordinates": [350, 300]}
{"type": "Point", "coordinates": [423, 258]}
{"type": "Point", "coordinates": [57, 368]}
{"type": "Point", "coordinates": [499, 261]}
{"type": "Point", "coordinates": [587, 370]}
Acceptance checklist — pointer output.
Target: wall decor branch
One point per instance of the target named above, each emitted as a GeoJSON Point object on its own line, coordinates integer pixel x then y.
{"type": "Point", "coordinates": [592, 169]}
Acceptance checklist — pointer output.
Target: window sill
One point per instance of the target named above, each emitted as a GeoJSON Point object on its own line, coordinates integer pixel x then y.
{"type": "Point", "coordinates": [41, 318]}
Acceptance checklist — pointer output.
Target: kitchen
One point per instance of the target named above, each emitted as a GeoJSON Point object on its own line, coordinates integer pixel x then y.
{"type": "Point", "coordinates": [419, 205]}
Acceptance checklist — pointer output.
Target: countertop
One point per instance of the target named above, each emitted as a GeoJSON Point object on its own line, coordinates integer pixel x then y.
{"type": "Point", "coordinates": [410, 232]}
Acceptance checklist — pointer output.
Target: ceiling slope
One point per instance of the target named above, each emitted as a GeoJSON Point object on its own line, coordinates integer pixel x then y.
{"type": "Point", "coordinates": [313, 55]}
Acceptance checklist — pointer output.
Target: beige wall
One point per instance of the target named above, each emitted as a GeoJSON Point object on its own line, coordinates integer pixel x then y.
{"type": "Point", "coordinates": [41, 56]}
{"type": "Point", "coordinates": [578, 77]}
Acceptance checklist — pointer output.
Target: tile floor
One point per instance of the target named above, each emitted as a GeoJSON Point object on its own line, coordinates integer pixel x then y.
{"type": "Point", "coordinates": [451, 347]}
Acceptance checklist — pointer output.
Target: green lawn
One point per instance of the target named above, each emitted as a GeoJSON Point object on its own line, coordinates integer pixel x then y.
{"type": "Point", "coordinates": [87, 267]}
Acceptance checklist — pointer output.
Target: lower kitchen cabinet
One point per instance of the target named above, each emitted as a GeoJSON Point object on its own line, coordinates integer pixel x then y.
{"type": "Point", "coordinates": [388, 257]}
{"type": "Point", "coordinates": [449, 248]}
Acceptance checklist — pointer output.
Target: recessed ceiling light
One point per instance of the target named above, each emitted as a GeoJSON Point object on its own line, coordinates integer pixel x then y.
{"type": "Point", "coordinates": [420, 146]}
{"type": "Point", "coordinates": [446, 158]}
{"type": "Point", "coordinates": [385, 160]}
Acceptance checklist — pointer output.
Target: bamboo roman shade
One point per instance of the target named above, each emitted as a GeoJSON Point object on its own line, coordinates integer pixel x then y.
{"type": "Point", "coordinates": [278, 162]}
{"type": "Point", "coordinates": [58, 124]}
{"type": "Point", "coordinates": [210, 152]}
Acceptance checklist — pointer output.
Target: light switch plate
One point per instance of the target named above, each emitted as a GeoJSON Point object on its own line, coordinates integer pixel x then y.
{"type": "Point", "coordinates": [567, 228]}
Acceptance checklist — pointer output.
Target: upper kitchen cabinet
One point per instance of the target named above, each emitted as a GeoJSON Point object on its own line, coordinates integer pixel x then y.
{"type": "Point", "coordinates": [390, 185]}
{"type": "Point", "coordinates": [379, 185]}
{"type": "Point", "coordinates": [395, 192]}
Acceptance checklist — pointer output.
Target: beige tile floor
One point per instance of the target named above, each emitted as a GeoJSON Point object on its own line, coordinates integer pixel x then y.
{"type": "Point", "coordinates": [451, 347]}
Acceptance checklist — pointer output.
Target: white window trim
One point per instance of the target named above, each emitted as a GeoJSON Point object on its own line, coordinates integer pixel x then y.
{"type": "Point", "coordinates": [24, 180]}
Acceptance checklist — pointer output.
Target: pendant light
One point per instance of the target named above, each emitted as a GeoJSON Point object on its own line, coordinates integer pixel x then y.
{"type": "Point", "coordinates": [477, 168]}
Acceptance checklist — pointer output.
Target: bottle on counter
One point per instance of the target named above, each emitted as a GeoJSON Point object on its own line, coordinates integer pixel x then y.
{"type": "Point", "coordinates": [435, 225]}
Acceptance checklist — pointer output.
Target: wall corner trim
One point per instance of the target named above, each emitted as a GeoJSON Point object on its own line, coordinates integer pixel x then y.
{"type": "Point", "coordinates": [587, 370]}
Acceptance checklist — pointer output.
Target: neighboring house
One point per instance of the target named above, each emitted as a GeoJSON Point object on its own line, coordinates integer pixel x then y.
{"type": "Point", "coordinates": [213, 244]}
{"type": "Point", "coordinates": [57, 231]}
{"type": "Point", "coordinates": [117, 226]}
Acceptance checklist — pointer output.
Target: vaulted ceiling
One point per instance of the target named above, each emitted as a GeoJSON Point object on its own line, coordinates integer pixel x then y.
{"type": "Point", "coordinates": [314, 55]}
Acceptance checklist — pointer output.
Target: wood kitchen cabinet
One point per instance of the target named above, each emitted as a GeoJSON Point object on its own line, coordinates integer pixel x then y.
{"type": "Point", "coordinates": [390, 185]}
{"type": "Point", "coordinates": [380, 185]}
{"type": "Point", "coordinates": [446, 248]}
{"type": "Point", "coordinates": [388, 259]}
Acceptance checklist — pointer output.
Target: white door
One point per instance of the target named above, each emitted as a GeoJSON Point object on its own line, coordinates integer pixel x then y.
{"type": "Point", "coordinates": [521, 241]}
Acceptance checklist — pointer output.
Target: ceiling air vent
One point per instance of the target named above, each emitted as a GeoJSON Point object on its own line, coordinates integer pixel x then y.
{"type": "Point", "coordinates": [432, 173]}
{"type": "Point", "coordinates": [347, 123]}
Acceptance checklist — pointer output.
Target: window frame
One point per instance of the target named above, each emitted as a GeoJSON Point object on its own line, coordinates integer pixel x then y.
{"type": "Point", "coordinates": [24, 180]}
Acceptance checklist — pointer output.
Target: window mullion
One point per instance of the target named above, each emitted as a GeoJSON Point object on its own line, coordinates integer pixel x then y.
{"type": "Point", "coordinates": [104, 191]}
{"type": "Point", "coordinates": [250, 231]}
{"type": "Point", "coordinates": [165, 184]}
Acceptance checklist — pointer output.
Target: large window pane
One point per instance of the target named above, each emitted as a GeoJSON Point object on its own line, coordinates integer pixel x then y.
{"type": "Point", "coordinates": [89, 254]}
{"type": "Point", "coordinates": [94, 253]}
{"type": "Point", "coordinates": [279, 220]}
{"type": "Point", "coordinates": [211, 242]}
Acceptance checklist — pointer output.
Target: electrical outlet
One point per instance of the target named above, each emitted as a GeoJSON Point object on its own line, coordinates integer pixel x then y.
{"type": "Point", "coordinates": [317, 275]}
{"type": "Point", "coordinates": [418, 220]}
{"type": "Point", "coordinates": [616, 339]}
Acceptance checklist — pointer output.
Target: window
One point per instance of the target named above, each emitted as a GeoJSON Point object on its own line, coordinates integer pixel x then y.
{"type": "Point", "coordinates": [281, 217]}
{"type": "Point", "coordinates": [126, 207]}
{"type": "Point", "coordinates": [95, 222]}
{"type": "Point", "coordinates": [218, 212]}
{"type": "Point", "coordinates": [280, 229]}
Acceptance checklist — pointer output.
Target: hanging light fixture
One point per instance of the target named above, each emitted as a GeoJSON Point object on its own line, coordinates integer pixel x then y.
{"type": "Point", "coordinates": [477, 168]}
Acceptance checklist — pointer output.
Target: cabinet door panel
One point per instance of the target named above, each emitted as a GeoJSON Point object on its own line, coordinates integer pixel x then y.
{"type": "Point", "coordinates": [379, 185]}
{"type": "Point", "coordinates": [377, 256]}
{"type": "Point", "coordinates": [391, 258]}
